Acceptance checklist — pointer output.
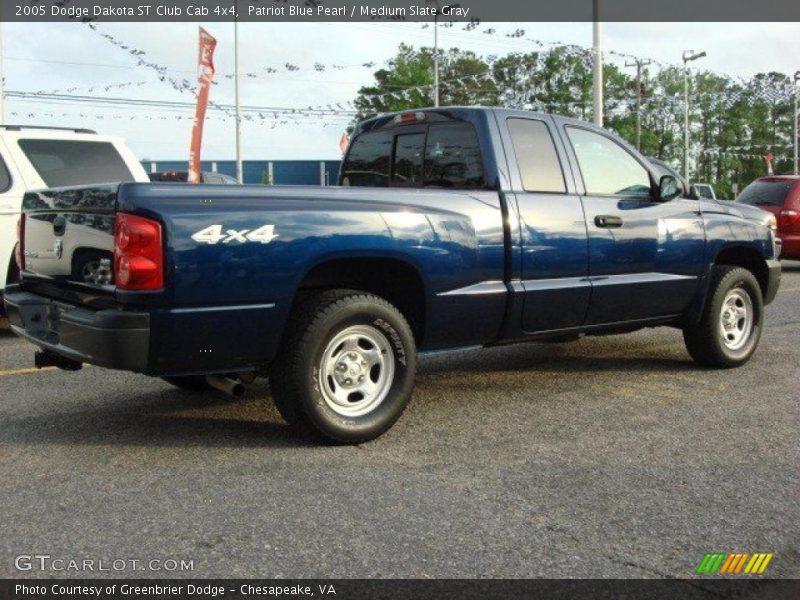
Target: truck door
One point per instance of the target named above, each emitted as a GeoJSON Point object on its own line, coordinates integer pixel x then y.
{"type": "Point", "coordinates": [645, 256]}
{"type": "Point", "coordinates": [553, 230]}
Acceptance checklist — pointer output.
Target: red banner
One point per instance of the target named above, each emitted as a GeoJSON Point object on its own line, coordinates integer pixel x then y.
{"type": "Point", "coordinates": [205, 74]}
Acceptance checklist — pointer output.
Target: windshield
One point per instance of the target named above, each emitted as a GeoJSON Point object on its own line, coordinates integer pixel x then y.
{"type": "Point", "coordinates": [765, 193]}
{"type": "Point", "coordinates": [68, 162]}
{"type": "Point", "coordinates": [704, 191]}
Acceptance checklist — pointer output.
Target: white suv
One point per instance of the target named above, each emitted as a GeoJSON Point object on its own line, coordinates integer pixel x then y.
{"type": "Point", "coordinates": [34, 158]}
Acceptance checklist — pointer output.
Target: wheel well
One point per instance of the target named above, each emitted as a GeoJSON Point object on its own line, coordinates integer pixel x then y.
{"type": "Point", "coordinates": [746, 258]}
{"type": "Point", "coordinates": [391, 279]}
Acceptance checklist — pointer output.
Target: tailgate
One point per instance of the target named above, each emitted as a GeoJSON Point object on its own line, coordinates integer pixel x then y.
{"type": "Point", "coordinates": [68, 242]}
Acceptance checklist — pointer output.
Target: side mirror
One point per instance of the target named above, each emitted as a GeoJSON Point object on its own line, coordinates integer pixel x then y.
{"type": "Point", "coordinates": [668, 188]}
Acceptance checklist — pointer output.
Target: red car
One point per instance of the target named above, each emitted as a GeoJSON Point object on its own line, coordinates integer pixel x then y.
{"type": "Point", "coordinates": [780, 195]}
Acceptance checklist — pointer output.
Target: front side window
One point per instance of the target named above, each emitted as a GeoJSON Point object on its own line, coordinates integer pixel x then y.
{"type": "Point", "coordinates": [607, 168]}
{"type": "Point", "coordinates": [453, 157]}
{"type": "Point", "coordinates": [536, 156]}
{"type": "Point", "coordinates": [69, 162]}
{"type": "Point", "coordinates": [368, 160]}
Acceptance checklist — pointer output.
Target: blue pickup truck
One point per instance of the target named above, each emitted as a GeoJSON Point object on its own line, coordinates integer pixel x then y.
{"type": "Point", "coordinates": [451, 228]}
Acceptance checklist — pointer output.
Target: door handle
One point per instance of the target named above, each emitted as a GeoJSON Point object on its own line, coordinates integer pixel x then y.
{"type": "Point", "coordinates": [608, 221]}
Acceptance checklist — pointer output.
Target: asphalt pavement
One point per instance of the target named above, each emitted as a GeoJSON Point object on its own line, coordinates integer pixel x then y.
{"type": "Point", "coordinates": [608, 457]}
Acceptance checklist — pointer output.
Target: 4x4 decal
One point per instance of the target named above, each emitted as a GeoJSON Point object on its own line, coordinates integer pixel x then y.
{"type": "Point", "coordinates": [213, 234]}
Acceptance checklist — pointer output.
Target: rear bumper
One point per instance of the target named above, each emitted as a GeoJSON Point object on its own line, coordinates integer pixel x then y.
{"type": "Point", "coordinates": [773, 280]}
{"type": "Point", "coordinates": [108, 338]}
{"type": "Point", "coordinates": [178, 341]}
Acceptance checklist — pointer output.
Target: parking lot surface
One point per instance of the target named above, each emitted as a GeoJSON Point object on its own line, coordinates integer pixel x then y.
{"type": "Point", "coordinates": [607, 457]}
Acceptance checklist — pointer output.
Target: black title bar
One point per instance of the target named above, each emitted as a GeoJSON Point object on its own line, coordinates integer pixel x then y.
{"type": "Point", "coordinates": [446, 11]}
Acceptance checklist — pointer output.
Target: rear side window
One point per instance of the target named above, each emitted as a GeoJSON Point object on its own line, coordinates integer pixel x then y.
{"type": "Point", "coordinates": [445, 155]}
{"type": "Point", "coordinates": [408, 154]}
{"type": "Point", "coordinates": [368, 160]}
{"type": "Point", "coordinates": [765, 193]}
{"type": "Point", "coordinates": [67, 162]}
{"type": "Point", "coordinates": [453, 157]}
{"type": "Point", "coordinates": [5, 177]}
{"type": "Point", "coordinates": [536, 156]}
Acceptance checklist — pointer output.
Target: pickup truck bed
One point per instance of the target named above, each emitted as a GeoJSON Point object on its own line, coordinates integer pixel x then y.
{"type": "Point", "coordinates": [438, 238]}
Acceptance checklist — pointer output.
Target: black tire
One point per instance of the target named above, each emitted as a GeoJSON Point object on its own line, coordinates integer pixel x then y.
{"type": "Point", "coordinates": [191, 383]}
{"type": "Point", "coordinates": [706, 340]}
{"type": "Point", "coordinates": [303, 393]}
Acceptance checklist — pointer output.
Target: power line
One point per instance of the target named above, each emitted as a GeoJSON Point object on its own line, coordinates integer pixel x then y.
{"type": "Point", "coordinates": [172, 104]}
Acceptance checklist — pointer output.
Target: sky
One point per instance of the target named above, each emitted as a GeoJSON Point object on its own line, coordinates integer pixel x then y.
{"type": "Point", "coordinates": [72, 56]}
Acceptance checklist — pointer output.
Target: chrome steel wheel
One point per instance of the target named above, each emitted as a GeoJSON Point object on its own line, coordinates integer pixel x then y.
{"type": "Point", "coordinates": [736, 319]}
{"type": "Point", "coordinates": [356, 371]}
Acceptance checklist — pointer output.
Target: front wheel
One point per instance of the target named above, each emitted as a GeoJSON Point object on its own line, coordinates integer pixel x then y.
{"type": "Point", "coordinates": [346, 368]}
{"type": "Point", "coordinates": [730, 327]}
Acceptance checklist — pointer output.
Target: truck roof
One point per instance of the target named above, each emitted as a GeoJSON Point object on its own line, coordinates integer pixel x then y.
{"type": "Point", "coordinates": [383, 118]}
{"type": "Point", "coordinates": [46, 128]}
{"type": "Point", "coordinates": [16, 132]}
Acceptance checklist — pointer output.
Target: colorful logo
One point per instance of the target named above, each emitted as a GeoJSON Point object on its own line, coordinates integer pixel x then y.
{"type": "Point", "coordinates": [735, 563]}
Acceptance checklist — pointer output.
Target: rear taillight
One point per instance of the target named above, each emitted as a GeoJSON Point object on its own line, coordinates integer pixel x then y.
{"type": "Point", "coordinates": [20, 251]}
{"type": "Point", "coordinates": [138, 253]}
{"type": "Point", "coordinates": [787, 217]}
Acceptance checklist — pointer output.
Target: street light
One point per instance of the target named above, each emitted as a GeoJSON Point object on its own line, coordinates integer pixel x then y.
{"type": "Point", "coordinates": [434, 4]}
{"type": "Point", "coordinates": [688, 56]}
{"type": "Point", "coordinates": [796, 133]}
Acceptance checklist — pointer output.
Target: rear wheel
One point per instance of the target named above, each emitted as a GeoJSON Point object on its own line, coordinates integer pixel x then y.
{"type": "Point", "coordinates": [346, 368]}
{"type": "Point", "coordinates": [730, 327]}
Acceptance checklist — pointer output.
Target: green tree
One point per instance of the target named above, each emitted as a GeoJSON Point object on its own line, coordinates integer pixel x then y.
{"type": "Point", "coordinates": [733, 123]}
{"type": "Point", "coordinates": [407, 82]}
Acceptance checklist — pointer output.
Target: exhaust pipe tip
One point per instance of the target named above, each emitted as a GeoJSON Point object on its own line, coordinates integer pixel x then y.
{"type": "Point", "coordinates": [232, 387]}
{"type": "Point", "coordinates": [45, 359]}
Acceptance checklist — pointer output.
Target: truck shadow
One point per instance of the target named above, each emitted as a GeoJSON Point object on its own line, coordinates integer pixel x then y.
{"type": "Point", "coordinates": [168, 417]}
{"type": "Point", "coordinates": [164, 418]}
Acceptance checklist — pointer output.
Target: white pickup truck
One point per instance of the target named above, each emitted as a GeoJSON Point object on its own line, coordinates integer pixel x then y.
{"type": "Point", "coordinates": [34, 158]}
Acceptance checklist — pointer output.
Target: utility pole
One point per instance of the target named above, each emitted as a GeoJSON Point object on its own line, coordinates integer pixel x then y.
{"type": "Point", "coordinates": [239, 173]}
{"type": "Point", "coordinates": [796, 133]}
{"type": "Point", "coordinates": [688, 56]}
{"type": "Point", "coordinates": [435, 5]}
{"type": "Point", "coordinates": [597, 69]}
{"type": "Point", "coordinates": [639, 63]}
